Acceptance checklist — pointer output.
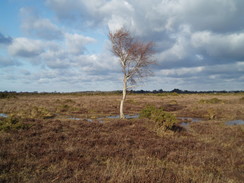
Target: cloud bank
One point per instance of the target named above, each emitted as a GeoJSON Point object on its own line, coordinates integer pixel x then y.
{"type": "Point", "coordinates": [199, 44]}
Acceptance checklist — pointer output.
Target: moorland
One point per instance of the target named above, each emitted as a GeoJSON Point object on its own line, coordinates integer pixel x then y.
{"type": "Point", "coordinates": [68, 138]}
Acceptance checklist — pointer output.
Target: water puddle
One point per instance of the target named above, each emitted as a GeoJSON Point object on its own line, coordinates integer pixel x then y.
{"type": "Point", "coordinates": [101, 120]}
{"type": "Point", "coordinates": [73, 118]}
{"type": "Point", "coordinates": [90, 120]}
{"type": "Point", "coordinates": [185, 121]}
{"type": "Point", "coordinates": [126, 116]}
{"type": "Point", "coordinates": [185, 124]}
{"type": "Point", "coordinates": [235, 122]}
{"type": "Point", "coordinates": [3, 115]}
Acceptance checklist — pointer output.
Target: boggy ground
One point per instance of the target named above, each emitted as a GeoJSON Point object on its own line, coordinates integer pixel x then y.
{"type": "Point", "coordinates": [62, 150]}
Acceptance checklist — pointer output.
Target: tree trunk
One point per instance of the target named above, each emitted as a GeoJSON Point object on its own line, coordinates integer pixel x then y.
{"type": "Point", "coordinates": [122, 116]}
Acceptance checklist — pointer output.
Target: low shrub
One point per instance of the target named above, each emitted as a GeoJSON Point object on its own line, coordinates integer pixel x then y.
{"type": "Point", "coordinates": [35, 113]}
{"type": "Point", "coordinates": [41, 112]}
{"type": "Point", "coordinates": [162, 120]}
{"type": "Point", "coordinates": [173, 102]}
{"type": "Point", "coordinates": [12, 123]}
{"type": "Point", "coordinates": [167, 94]}
{"type": "Point", "coordinates": [69, 101]}
{"type": "Point", "coordinates": [211, 114]}
{"type": "Point", "coordinates": [131, 101]}
{"type": "Point", "coordinates": [147, 112]}
{"type": "Point", "coordinates": [211, 101]}
{"type": "Point", "coordinates": [63, 108]}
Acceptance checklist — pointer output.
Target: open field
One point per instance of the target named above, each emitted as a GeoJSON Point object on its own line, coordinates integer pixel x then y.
{"type": "Point", "coordinates": [60, 138]}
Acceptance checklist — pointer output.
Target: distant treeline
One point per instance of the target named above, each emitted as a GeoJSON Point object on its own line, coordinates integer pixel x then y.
{"type": "Point", "coordinates": [178, 91]}
{"type": "Point", "coordinates": [10, 94]}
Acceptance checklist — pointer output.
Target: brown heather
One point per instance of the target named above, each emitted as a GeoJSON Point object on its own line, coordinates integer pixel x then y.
{"type": "Point", "coordinates": [65, 151]}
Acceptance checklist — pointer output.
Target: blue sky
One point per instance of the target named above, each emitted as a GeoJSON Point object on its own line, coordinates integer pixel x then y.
{"type": "Point", "coordinates": [62, 45]}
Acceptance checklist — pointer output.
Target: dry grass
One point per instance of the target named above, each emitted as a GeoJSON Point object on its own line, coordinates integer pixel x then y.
{"type": "Point", "coordinates": [61, 150]}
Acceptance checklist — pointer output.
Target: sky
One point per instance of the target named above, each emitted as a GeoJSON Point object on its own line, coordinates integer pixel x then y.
{"type": "Point", "coordinates": [62, 45]}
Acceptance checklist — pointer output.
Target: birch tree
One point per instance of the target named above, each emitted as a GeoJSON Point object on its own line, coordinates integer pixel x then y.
{"type": "Point", "coordinates": [135, 58]}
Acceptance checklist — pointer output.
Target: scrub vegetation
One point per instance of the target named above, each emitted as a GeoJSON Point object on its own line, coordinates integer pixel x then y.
{"type": "Point", "coordinates": [211, 101]}
{"type": "Point", "coordinates": [12, 123]}
{"type": "Point", "coordinates": [39, 141]}
{"type": "Point", "coordinates": [161, 121]}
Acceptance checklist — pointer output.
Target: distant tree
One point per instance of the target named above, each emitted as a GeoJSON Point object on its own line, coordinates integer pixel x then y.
{"type": "Point", "coordinates": [176, 90]}
{"type": "Point", "coordinates": [160, 91]}
{"type": "Point", "coordinates": [134, 56]}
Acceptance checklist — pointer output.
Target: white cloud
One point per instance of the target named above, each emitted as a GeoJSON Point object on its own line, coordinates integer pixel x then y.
{"type": "Point", "coordinates": [25, 47]}
{"type": "Point", "coordinates": [181, 71]}
{"type": "Point", "coordinates": [177, 52]}
{"type": "Point", "coordinates": [215, 15]}
{"type": "Point", "coordinates": [75, 43]}
{"type": "Point", "coordinates": [41, 27]}
{"type": "Point", "coordinates": [220, 45]}
{"type": "Point", "coordinates": [159, 15]}
{"type": "Point", "coordinates": [6, 61]}
{"type": "Point", "coordinates": [196, 41]}
{"type": "Point", "coordinates": [145, 17]}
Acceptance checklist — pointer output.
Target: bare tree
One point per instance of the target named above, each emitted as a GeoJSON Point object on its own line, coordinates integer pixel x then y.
{"type": "Point", "coordinates": [134, 56]}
